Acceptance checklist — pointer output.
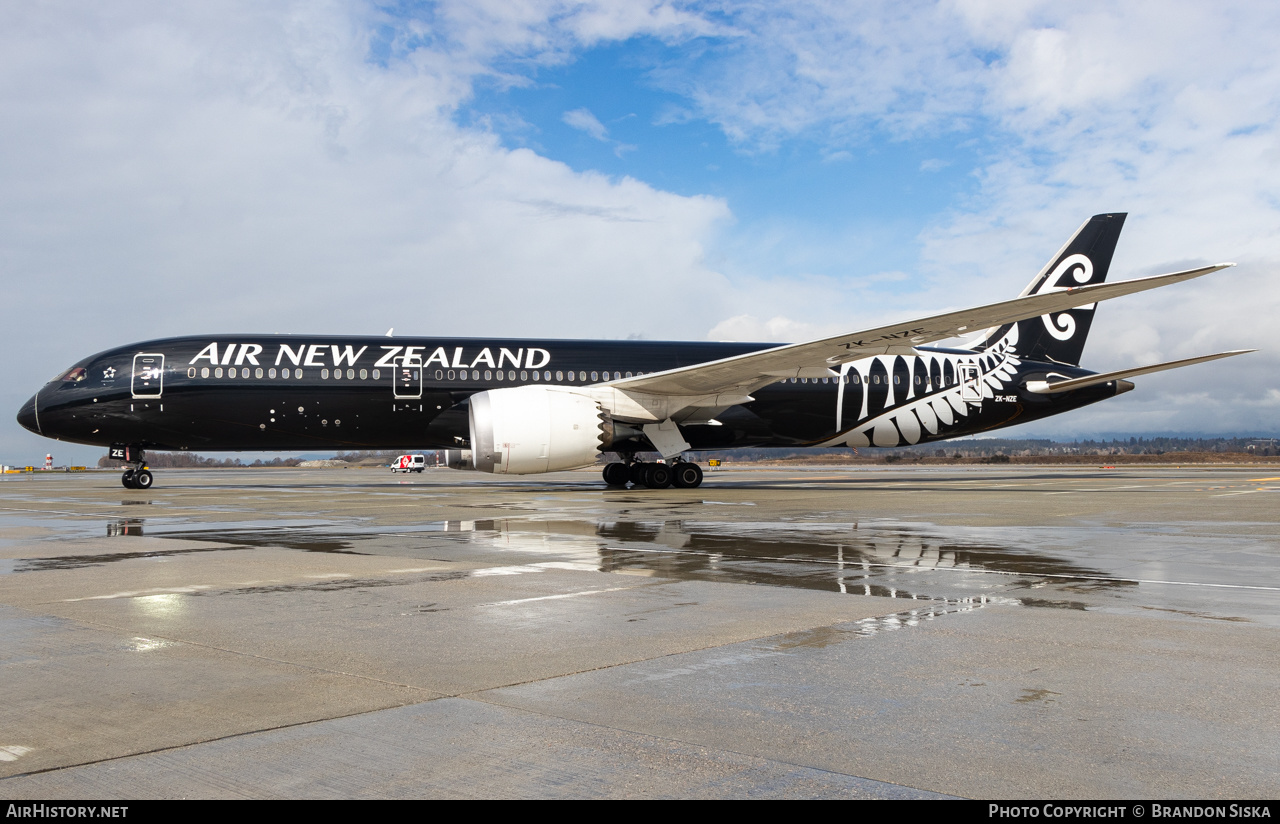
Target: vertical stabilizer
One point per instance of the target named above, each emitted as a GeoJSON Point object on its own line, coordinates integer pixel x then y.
{"type": "Point", "coordinates": [1084, 259]}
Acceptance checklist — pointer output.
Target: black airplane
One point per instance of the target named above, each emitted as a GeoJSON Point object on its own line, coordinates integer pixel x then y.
{"type": "Point", "coordinates": [528, 406]}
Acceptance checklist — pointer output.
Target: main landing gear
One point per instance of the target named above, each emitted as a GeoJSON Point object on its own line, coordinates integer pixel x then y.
{"type": "Point", "coordinates": [136, 476]}
{"type": "Point", "coordinates": [681, 475]}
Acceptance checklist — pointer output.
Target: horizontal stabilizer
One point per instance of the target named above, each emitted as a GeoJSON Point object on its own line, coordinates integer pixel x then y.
{"type": "Point", "coordinates": [1050, 387]}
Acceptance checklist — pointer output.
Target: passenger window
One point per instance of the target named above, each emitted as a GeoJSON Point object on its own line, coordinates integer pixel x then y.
{"type": "Point", "coordinates": [511, 374]}
{"type": "Point", "coordinates": [191, 373]}
{"type": "Point", "coordinates": [475, 374]}
{"type": "Point", "coordinates": [272, 372]}
{"type": "Point", "coordinates": [535, 376]}
{"type": "Point", "coordinates": [204, 373]}
{"type": "Point", "coordinates": [628, 374]}
{"type": "Point", "coordinates": [547, 374]}
{"type": "Point", "coordinates": [452, 374]}
{"type": "Point", "coordinates": [257, 373]}
{"type": "Point", "coordinates": [559, 375]}
{"type": "Point", "coordinates": [217, 373]}
{"type": "Point", "coordinates": [857, 378]}
{"type": "Point", "coordinates": [524, 374]}
{"type": "Point", "coordinates": [897, 380]}
{"type": "Point", "coordinates": [324, 373]}
{"type": "Point", "coordinates": [582, 376]}
{"type": "Point", "coordinates": [297, 373]}
{"type": "Point", "coordinates": [351, 374]}
{"type": "Point", "coordinates": [595, 376]}
{"type": "Point", "coordinates": [488, 374]}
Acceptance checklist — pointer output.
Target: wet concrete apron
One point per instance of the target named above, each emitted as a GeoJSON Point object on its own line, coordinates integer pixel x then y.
{"type": "Point", "coordinates": [344, 633]}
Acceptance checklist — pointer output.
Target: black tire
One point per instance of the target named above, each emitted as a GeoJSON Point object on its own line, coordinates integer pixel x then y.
{"type": "Point", "coordinates": [659, 477]}
{"type": "Point", "coordinates": [616, 474]}
{"type": "Point", "coordinates": [638, 473]}
{"type": "Point", "coordinates": [142, 479]}
{"type": "Point", "coordinates": [687, 476]}
{"type": "Point", "coordinates": [127, 479]}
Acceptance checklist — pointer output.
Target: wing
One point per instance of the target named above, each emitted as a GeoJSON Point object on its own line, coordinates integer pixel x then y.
{"type": "Point", "coordinates": [730, 380]}
{"type": "Point", "coordinates": [1050, 387]}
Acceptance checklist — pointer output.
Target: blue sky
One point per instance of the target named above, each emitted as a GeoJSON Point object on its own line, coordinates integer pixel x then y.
{"type": "Point", "coordinates": [607, 111]}
{"type": "Point", "coordinates": [744, 170]}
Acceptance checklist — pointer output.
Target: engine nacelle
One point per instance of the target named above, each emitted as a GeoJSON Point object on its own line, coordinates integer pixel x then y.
{"type": "Point", "coordinates": [524, 430]}
{"type": "Point", "coordinates": [457, 458]}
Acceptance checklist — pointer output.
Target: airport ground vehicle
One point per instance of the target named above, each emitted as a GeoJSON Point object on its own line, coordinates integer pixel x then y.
{"type": "Point", "coordinates": [529, 406]}
{"type": "Point", "coordinates": [409, 463]}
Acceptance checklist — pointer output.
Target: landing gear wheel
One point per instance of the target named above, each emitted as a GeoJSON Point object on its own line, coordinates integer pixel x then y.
{"type": "Point", "coordinates": [617, 474]}
{"type": "Point", "coordinates": [687, 475]}
{"type": "Point", "coordinates": [659, 476]}
{"type": "Point", "coordinates": [638, 473]}
{"type": "Point", "coordinates": [142, 479]}
{"type": "Point", "coordinates": [127, 479]}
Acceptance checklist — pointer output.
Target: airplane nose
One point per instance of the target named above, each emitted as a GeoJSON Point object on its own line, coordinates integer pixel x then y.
{"type": "Point", "coordinates": [28, 417]}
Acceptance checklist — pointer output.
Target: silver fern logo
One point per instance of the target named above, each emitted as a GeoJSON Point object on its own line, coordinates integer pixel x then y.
{"type": "Point", "coordinates": [1080, 269]}
{"type": "Point", "coordinates": [915, 412]}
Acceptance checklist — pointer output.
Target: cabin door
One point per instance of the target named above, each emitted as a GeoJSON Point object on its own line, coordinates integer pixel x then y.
{"type": "Point", "coordinates": [148, 375]}
{"type": "Point", "coordinates": [407, 375]}
{"type": "Point", "coordinates": [970, 383]}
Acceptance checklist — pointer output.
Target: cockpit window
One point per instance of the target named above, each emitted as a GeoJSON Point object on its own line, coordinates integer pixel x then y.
{"type": "Point", "coordinates": [75, 375]}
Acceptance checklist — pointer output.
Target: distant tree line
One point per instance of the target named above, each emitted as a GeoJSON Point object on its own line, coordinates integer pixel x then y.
{"type": "Point", "coordinates": [988, 448]}
{"type": "Point", "coordinates": [189, 460]}
{"type": "Point", "coordinates": [383, 455]}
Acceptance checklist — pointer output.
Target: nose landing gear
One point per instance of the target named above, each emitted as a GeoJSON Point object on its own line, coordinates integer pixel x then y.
{"type": "Point", "coordinates": [137, 476]}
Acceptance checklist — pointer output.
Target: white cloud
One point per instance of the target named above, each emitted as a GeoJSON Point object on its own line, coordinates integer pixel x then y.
{"type": "Point", "coordinates": [1167, 111]}
{"type": "Point", "coordinates": [584, 121]}
{"type": "Point", "coordinates": [778, 329]}
{"type": "Point", "coordinates": [296, 167]}
{"type": "Point", "coordinates": [171, 170]}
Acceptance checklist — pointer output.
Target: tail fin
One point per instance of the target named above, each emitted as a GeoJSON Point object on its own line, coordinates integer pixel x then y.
{"type": "Point", "coordinates": [1084, 259]}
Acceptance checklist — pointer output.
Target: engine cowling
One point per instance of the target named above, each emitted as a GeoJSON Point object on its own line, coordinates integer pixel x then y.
{"type": "Point", "coordinates": [523, 430]}
{"type": "Point", "coordinates": [457, 458]}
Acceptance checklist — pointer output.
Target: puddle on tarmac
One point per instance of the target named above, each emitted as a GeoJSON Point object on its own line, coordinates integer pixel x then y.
{"type": "Point", "coordinates": [82, 561]}
{"type": "Point", "coordinates": [825, 636]}
{"type": "Point", "coordinates": [886, 561]}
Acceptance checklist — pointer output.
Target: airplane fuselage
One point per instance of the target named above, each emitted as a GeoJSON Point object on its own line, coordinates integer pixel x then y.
{"type": "Point", "coordinates": [284, 393]}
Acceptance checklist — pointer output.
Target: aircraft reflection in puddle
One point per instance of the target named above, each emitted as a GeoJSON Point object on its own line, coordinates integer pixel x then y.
{"type": "Point", "coordinates": [891, 563]}
{"type": "Point", "coordinates": [128, 526]}
{"type": "Point", "coordinates": [883, 562]}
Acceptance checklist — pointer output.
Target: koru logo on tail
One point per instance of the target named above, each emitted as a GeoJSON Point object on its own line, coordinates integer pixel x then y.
{"type": "Point", "coordinates": [1080, 268]}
